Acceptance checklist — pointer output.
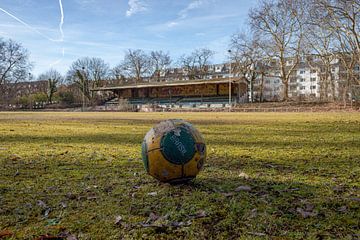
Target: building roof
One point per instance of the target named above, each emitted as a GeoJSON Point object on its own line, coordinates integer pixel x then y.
{"type": "Point", "coordinates": [168, 84]}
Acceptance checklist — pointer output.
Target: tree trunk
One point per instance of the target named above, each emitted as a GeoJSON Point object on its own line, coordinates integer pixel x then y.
{"type": "Point", "coordinates": [286, 91]}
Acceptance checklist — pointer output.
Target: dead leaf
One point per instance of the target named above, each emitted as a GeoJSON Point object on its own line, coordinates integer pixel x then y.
{"type": "Point", "coordinates": [146, 225]}
{"type": "Point", "coordinates": [47, 211]}
{"type": "Point", "coordinates": [309, 207]}
{"type": "Point", "coordinates": [14, 157]}
{"type": "Point", "coordinates": [201, 214]}
{"type": "Point", "coordinates": [253, 213]}
{"type": "Point", "coordinates": [41, 204]}
{"type": "Point", "coordinates": [306, 214]}
{"type": "Point", "coordinates": [338, 188]}
{"type": "Point", "coordinates": [71, 196]}
{"type": "Point", "coordinates": [63, 204]}
{"type": "Point", "coordinates": [257, 234]}
{"type": "Point", "coordinates": [342, 209]}
{"type": "Point", "coordinates": [181, 224]}
{"type": "Point", "coordinates": [229, 194]}
{"type": "Point", "coordinates": [153, 217]}
{"type": "Point", "coordinates": [243, 175]}
{"type": "Point", "coordinates": [46, 237]}
{"type": "Point", "coordinates": [243, 188]}
{"type": "Point", "coordinates": [355, 199]}
{"type": "Point", "coordinates": [71, 237]}
{"type": "Point", "coordinates": [5, 233]}
{"type": "Point", "coordinates": [118, 220]}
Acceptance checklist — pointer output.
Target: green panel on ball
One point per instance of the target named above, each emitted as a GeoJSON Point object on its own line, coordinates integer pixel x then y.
{"type": "Point", "coordinates": [144, 154]}
{"type": "Point", "coordinates": [178, 146]}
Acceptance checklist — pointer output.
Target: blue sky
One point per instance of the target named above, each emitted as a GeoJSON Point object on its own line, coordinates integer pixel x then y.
{"type": "Point", "coordinates": [106, 28]}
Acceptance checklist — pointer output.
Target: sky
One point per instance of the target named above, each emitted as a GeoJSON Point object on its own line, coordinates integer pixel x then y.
{"type": "Point", "coordinates": [57, 32]}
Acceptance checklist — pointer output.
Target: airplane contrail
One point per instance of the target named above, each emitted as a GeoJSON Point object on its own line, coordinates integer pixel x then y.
{"type": "Point", "coordinates": [61, 20]}
{"type": "Point", "coordinates": [59, 60]}
{"type": "Point", "coordinates": [62, 35]}
{"type": "Point", "coordinates": [29, 27]}
{"type": "Point", "coordinates": [61, 39]}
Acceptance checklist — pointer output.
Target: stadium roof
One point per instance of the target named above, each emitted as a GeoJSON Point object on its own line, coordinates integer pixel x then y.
{"type": "Point", "coordinates": [169, 84]}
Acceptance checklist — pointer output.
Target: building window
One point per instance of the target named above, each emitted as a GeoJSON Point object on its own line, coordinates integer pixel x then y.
{"type": "Point", "coordinates": [302, 79]}
{"type": "Point", "coordinates": [313, 71]}
{"type": "Point", "coordinates": [302, 71]}
{"type": "Point", "coordinates": [333, 69]}
{"type": "Point", "coordinates": [302, 88]}
{"type": "Point", "coordinates": [312, 87]}
{"type": "Point", "coordinates": [277, 81]}
{"type": "Point", "coordinates": [313, 79]}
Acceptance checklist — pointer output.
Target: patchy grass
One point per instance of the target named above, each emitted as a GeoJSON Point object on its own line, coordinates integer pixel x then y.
{"type": "Point", "coordinates": [268, 175]}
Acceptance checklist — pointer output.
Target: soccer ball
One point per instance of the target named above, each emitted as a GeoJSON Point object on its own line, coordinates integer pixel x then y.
{"type": "Point", "coordinates": [173, 151]}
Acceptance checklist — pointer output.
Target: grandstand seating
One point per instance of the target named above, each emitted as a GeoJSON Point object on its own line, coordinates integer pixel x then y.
{"type": "Point", "coordinates": [182, 102]}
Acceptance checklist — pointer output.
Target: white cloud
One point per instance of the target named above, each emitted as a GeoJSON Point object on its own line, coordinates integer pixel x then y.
{"type": "Point", "coordinates": [172, 24]}
{"type": "Point", "coordinates": [135, 6]}
{"type": "Point", "coordinates": [192, 5]}
{"type": "Point", "coordinates": [193, 22]}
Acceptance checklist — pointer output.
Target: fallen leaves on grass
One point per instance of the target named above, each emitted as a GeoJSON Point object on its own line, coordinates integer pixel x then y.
{"type": "Point", "coordinates": [243, 188]}
{"type": "Point", "coordinates": [46, 209]}
{"type": "Point", "coordinates": [61, 236]}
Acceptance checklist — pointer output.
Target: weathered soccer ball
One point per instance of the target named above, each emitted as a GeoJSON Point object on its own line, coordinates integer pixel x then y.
{"type": "Point", "coordinates": [173, 151]}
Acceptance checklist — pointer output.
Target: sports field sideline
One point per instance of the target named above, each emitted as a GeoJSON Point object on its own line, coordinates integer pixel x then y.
{"type": "Point", "coordinates": [267, 175]}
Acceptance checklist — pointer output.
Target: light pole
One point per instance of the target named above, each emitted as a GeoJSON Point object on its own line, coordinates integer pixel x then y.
{"type": "Point", "coordinates": [229, 51]}
{"type": "Point", "coordinates": [83, 95]}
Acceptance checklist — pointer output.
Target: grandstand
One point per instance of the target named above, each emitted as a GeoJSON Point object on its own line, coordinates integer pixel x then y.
{"type": "Point", "coordinates": [181, 94]}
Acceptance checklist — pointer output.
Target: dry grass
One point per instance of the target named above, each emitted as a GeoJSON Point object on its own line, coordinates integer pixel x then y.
{"type": "Point", "coordinates": [268, 175]}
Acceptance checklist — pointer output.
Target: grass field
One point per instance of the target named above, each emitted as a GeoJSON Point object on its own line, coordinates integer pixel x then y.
{"type": "Point", "coordinates": [267, 175]}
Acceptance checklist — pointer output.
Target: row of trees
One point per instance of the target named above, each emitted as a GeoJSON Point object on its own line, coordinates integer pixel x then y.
{"type": "Point", "coordinates": [283, 34]}
{"type": "Point", "coordinates": [137, 66]}
{"type": "Point", "coordinates": [88, 72]}
{"type": "Point", "coordinates": [291, 33]}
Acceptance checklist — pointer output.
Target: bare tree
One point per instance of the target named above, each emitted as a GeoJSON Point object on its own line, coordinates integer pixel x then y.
{"type": "Point", "coordinates": [87, 73]}
{"type": "Point", "coordinates": [14, 66]}
{"type": "Point", "coordinates": [248, 60]}
{"type": "Point", "coordinates": [118, 74]}
{"type": "Point", "coordinates": [196, 63]}
{"type": "Point", "coordinates": [54, 79]}
{"type": "Point", "coordinates": [344, 22]}
{"type": "Point", "coordinates": [188, 63]}
{"type": "Point", "coordinates": [279, 23]}
{"type": "Point", "coordinates": [320, 49]}
{"type": "Point", "coordinates": [159, 61]}
{"type": "Point", "coordinates": [136, 64]}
